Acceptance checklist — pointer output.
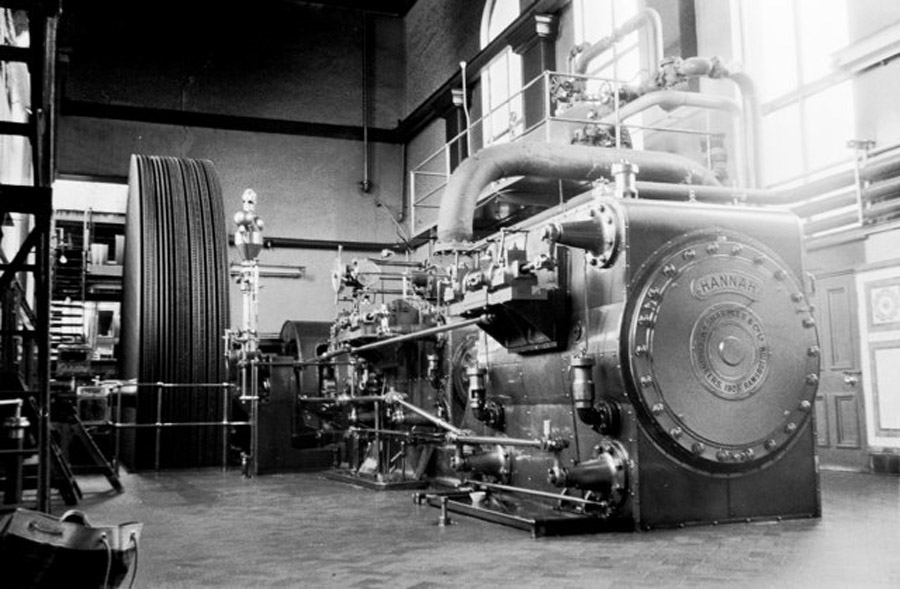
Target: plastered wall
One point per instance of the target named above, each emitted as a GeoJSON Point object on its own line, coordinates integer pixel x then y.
{"type": "Point", "coordinates": [291, 61]}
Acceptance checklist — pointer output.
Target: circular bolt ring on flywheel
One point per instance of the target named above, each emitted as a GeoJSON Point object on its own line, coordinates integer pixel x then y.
{"type": "Point", "coordinates": [722, 352]}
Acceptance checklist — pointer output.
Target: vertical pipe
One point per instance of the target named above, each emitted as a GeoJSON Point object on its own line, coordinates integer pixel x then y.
{"type": "Point", "coordinates": [465, 105]}
{"type": "Point", "coordinates": [42, 300]}
{"type": "Point", "coordinates": [254, 417]}
{"type": "Point", "coordinates": [365, 184]}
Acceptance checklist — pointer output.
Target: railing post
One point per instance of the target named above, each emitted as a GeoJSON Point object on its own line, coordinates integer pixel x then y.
{"type": "Point", "coordinates": [159, 393]}
{"type": "Point", "coordinates": [861, 147]}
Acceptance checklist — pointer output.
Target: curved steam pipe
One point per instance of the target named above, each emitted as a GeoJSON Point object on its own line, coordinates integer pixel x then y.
{"type": "Point", "coordinates": [647, 17]}
{"type": "Point", "coordinates": [714, 68]}
{"type": "Point", "coordinates": [577, 162]}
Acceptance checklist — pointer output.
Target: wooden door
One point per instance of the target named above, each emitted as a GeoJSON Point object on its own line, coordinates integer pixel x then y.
{"type": "Point", "coordinates": [839, 416]}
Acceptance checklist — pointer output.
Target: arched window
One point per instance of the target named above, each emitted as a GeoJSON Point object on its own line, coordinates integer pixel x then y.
{"type": "Point", "coordinates": [502, 78]}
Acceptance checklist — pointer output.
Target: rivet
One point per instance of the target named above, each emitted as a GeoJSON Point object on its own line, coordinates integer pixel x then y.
{"type": "Point", "coordinates": [689, 254]}
{"type": "Point", "coordinates": [759, 260]}
{"type": "Point", "coordinates": [812, 379]}
{"type": "Point", "coordinates": [809, 322]}
{"type": "Point", "coordinates": [646, 381]}
{"type": "Point", "coordinates": [592, 261]}
{"type": "Point", "coordinates": [723, 456]}
{"type": "Point", "coordinates": [653, 293]}
{"type": "Point", "coordinates": [813, 351]}
{"type": "Point", "coordinates": [770, 444]}
{"type": "Point", "coordinates": [602, 208]}
{"type": "Point", "coordinates": [736, 249]}
{"type": "Point", "coordinates": [657, 408]}
{"type": "Point", "coordinates": [670, 270]}
{"type": "Point", "coordinates": [805, 405]}
{"type": "Point", "coordinates": [645, 320]}
{"type": "Point", "coordinates": [747, 454]}
{"type": "Point", "coordinates": [640, 350]}
{"type": "Point", "coordinates": [790, 428]}
{"type": "Point", "coordinates": [698, 448]}
{"type": "Point", "coordinates": [797, 297]}
{"type": "Point", "coordinates": [712, 248]}
{"type": "Point", "coordinates": [676, 432]}
{"type": "Point", "coordinates": [780, 275]}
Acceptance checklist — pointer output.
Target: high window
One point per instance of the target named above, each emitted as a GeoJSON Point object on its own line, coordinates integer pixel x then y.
{"type": "Point", "coordinates": [502, 78]}
{"type": "Point", "coordinates": [808, 111]}
{"type": "Point", "coordinates": [597, 19]}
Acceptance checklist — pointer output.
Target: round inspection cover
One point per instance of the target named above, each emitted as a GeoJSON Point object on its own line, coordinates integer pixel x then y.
{"type": "Point", "coordinates": [723, 352]}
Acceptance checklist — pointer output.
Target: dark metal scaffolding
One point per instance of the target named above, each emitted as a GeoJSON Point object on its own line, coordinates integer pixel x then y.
{"type": "Point", "coordinates": [26, 365]}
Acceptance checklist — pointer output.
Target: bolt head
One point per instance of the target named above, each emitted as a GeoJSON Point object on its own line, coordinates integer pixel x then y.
{"type": "Point", "coordinates": [770, 444]}
{"type": "Point", "coordinates": [657, 408]}
{"type": "Point", "coordinates": [805, 405]}
{"type": "Point", "coordinates": [790, 428]}
{"type": "Point", "coordinates": [689, 254]}
{"type": "Point", "coordinates": [812, 379]}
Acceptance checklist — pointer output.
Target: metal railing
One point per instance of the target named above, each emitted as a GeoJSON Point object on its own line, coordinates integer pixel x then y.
{"type": "Point", "coordinates": [120, 389]}
{"type": "Point", "coordinates": [555, 108]}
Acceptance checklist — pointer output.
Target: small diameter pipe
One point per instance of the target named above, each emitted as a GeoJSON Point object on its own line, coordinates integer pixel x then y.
{"type": "Point", "coordinates": [484, 319]}
{"type": "Point", "coordinates": [343, 399]}
{"type": "Point", "coordinates": [535, 493]}
{"type": "Point", "coordinates": [551, 444]}
{"type": "Point", "coordinates": [399, 433]}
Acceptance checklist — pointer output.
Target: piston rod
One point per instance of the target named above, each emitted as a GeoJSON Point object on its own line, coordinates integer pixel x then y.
{"type": "Point", "coordinates": [484, 319]}
{"type": "Point", "coordinates": [551, 444]}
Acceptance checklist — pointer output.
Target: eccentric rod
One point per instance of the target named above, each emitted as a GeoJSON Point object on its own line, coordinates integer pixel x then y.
{"type": "Point", "coordinates": [536, 493]}
{"type": "Point", "coordinates": [395, 397]}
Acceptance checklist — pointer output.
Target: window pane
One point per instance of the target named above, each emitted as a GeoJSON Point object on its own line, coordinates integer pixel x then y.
{"type": "Point", "coordinates": [782, 146]}
{"type": "Point", "coordinates": [823, 30]}
{"type": "Point", "coordinates": [774, 40]}
{"type": "Point", "coordinates": [597, 18]}
{"type": "Point", "coordinates": [829, 124]}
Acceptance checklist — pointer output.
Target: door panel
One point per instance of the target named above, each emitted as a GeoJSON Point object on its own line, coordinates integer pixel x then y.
{"type": "Point", "coordinates": [840, 423]}
{"type": "Point", "coordinates": [847, 420]}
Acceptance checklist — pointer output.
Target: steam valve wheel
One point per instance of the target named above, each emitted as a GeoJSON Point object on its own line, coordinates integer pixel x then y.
{"type": "Point", "coordinates": [722, 352]}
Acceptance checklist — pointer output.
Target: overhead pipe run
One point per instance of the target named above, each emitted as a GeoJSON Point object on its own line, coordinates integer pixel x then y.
{"type": "Point", "coordinates": [672, 99]}
{"type": "Point", "coordinates": [577, 162]}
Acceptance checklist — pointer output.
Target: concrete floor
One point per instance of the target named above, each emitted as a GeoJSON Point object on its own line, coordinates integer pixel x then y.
{"type": "Point", "coordinates": [214, 529]}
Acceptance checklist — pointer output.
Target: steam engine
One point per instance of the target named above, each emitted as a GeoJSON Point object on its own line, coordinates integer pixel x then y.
{"type": "Point", "coordinates": [611, 363]}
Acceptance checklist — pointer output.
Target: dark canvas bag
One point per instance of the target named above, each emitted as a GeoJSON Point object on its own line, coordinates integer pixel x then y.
{"type": "Point", "coordinates": [40, 550]}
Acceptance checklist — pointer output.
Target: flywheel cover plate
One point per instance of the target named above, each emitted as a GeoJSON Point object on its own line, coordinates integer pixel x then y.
{"type": "Point", "coordinates": [723, 351]}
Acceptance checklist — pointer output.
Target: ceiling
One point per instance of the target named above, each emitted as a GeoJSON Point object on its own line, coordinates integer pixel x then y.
{"type": "Point", "coordinates": [388, 7]}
